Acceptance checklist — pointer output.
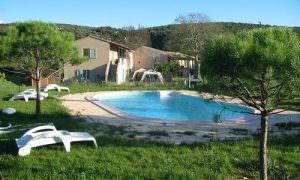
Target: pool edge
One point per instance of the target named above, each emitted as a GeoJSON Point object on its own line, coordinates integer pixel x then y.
{"type": "Point", "coordinates": [114, 111]}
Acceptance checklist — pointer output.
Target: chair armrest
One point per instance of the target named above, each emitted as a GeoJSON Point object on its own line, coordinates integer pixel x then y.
{"type": "Point", "coordinates": [39, 128]}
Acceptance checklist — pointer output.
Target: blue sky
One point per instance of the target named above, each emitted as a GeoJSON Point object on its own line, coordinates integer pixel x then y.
{"type": "Point", "coordinates": [120, 13]}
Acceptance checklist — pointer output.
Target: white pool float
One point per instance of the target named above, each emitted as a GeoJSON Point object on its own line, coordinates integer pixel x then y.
{"type": "Point", "coordinates": [9, 111]}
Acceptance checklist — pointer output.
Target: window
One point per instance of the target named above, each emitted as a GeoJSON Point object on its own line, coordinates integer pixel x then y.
{"type": "Point", "coordinates": [77, 74]}
{"type": "Point", "coordinates": [82, 74]}
{"type": "Point", "coordinates": [93, 53]}
{"type": "Point", "coordinates": [86, 74]}
{"type": "Point", "coordinates": [122, 53]}
{"type": "Point", "coordinates": [90, 53]}
{"type": "Point", "coordinates": [86, 52]}
{"type": "Point", "coordinates": [156, 59]}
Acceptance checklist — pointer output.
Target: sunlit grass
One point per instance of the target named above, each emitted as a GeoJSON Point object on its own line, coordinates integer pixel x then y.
{"type": "Point", "coordinates": [121, 158]}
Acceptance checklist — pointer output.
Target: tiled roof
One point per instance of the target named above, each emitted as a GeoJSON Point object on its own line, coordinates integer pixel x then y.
{"type": "Point", "coordinates": [108, 41]}
{"type": "Point", "coordinates": [175, 55]}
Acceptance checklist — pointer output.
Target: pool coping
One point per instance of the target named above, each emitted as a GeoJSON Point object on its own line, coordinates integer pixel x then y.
{"type": "Point", "coordinates": [116, 112]}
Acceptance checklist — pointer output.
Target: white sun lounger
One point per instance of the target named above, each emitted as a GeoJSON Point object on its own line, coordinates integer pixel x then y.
{"type": "Point", "coordinates": [29, 94]}
{"type": "Point", "coordinates": [56, 87]}
{"type": "Point", "coordinates": [34, 92]}
{"type": "Point", "coordinates": [46, 135]}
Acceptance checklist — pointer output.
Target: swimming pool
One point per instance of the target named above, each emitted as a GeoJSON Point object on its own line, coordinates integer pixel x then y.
{"type": "Point", "coordinates": [170, 106]}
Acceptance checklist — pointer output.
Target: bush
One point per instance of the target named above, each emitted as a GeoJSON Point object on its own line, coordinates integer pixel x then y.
{"type": "Point", "coordinates": [2, 76]}
{"type": "Point", "coordinates": [217, 117]}
{"type": "Point", "coordinates": [167, 68]}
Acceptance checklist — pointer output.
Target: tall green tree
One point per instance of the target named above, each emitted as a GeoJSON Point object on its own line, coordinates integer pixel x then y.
{"type": "Point", "coordinates": [261, 67]}
{"type": "Point", "coordinates": [36, 47]}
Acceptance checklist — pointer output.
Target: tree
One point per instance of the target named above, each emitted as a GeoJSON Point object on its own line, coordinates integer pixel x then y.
{"type": "Point", "coordinates": [167, 68]}
{"type": "Point", "coordinates": [261, 67]}
{"type": "Point", "coordinates": [36, 47]}
{"type": "Point", "coordinates": [194, 30]}
{"type": "Point", "coordinates": [193, 18]}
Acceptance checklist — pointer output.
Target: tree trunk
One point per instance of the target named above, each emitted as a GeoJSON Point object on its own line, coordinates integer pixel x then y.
{"type": "Point", "coordinates": [38, 97]}
{"type": "Point", "coordinates": [197, 63]}
{"type": "Point", "coordinates": [263, 146]}
{"type": "Point", "coordinates": [199, 73]}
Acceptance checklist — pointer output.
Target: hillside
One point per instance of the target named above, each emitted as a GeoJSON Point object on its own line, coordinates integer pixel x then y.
{"type": "Point", "coordinates": [156, 37]}
{"type": "Point", "coordinates": [161, 37]}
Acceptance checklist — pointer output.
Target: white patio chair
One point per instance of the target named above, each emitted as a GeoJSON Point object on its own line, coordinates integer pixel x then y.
{"type": "Point", "coordinates": [33, 91]}
{"type": "Point", "coordinates": [46, 135]}
{"type": "Point", "coordinates": [56, 87]}
{"type": "Point", "coordinates": [29, 94]}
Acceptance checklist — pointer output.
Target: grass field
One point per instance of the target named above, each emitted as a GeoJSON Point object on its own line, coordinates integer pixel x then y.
{"type": "Point", "coordinates": [120, 158]}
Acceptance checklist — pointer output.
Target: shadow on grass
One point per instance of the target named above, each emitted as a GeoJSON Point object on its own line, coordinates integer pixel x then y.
{"type": "Point", "coordinates": [276, 142]}
{"type": "Point", "coordinates": [8, 146]}
{"type": "Point", "coordinates": [63, 121]}
{"type": "Point", "coordinates": [285, 141]}
{"type": "Point", "coordinates": [59, 119]}
{"type": "Point", "coordinates": [7, 97]}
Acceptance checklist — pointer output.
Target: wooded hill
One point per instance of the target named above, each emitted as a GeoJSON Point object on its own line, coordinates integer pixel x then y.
{"type": "Point", "coordinates": [160, 37]}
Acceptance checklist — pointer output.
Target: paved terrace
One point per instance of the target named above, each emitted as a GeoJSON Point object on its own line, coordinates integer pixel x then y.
{"type": "Point", "coordinates": [102, 121]}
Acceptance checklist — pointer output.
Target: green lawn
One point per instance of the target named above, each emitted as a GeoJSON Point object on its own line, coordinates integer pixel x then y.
{"type": "Point", "coordinates": [120, 158]}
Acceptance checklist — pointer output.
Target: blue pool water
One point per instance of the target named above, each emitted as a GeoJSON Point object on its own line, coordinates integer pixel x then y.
{"type": "Point", "coordinates": [171, 106]}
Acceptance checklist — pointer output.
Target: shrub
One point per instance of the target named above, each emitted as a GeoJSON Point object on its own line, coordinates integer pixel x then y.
{"type": "Point", "coordinates": [2, 76]}
{"type": "Point", "coordinates": [217, 117]}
